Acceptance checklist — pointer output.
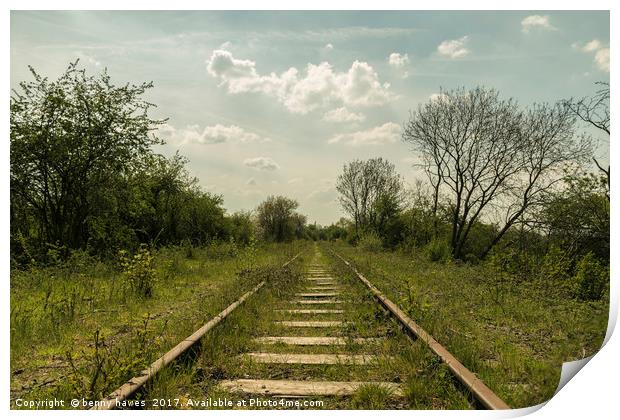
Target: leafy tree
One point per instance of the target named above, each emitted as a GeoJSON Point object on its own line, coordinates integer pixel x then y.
{"type": "Point", "coordinates": [242, 227]}
{"type": "Point", "coordinates": [278, 220]}
{"type": "Point", "coordinates": [371, 192]}
{"type": "Point", "coordinates": [577, 217]}
{"type": "Point", "coordinates": [69, 137]}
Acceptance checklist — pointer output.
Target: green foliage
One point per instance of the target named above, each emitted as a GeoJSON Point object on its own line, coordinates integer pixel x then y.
{"type": "Point", "coordinates": [278, 219]}
{"type": "Point", "coordinates": [437, 250]}
{"type": "Point", "coordinates": [370, 242]}
{"type": "Point", "coordinates": [139, 271]}
{"type": "Point", "coordinates": [371, 397]}
{"type": "Point", "coordinates": [577, 217]}
{"type": "Point", "coordinates": [69, 140]}
{"type": "Point", "coordinates": [591, 278]}
{"type": "Point", "coordinates": [242, 227]}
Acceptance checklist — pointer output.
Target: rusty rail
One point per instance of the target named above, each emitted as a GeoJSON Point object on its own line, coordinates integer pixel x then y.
{"type": "Point", "coordinates": [134, 384]}
{"type": "Point", "coordinates": [480, 391]}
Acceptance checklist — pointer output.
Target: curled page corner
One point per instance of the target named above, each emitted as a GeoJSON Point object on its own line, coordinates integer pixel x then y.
{"type": "Point", "coordinates": [569, 370]}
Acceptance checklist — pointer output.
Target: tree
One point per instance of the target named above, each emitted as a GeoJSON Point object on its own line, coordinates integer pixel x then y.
{"type": "Point", "coordinates": [594, 111]}
{"type": "Point", "coordinates": [485, 153]}
{"type": "Point", "coordinates": [371, 192]}
{"type": "Point", "coordinates": [577, 217]}
{"type": "Point", "coordinates": [278, 220]}
{"type": "Point", "coordinates": [69, 138]}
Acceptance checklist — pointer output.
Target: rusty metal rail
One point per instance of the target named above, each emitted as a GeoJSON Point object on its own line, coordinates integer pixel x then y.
{"type": "Point", "coordinates": [481, 392]}
{"type": "Point", "coordinates": [134, 384]}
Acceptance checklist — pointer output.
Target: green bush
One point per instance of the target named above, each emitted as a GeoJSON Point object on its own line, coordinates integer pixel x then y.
{"type": "Point", "coordinates": [590, 279]}
{"type": "Point", "coordinates": [370, 242]}
{"type": "Point", "coordinates": [139, 271]}
{"type": "Point", "coordinates": [555, 270]}
{"type": "Point", "coordinates": [437, 250]}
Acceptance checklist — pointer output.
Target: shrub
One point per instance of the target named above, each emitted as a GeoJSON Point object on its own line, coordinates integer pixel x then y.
{"type": "Point", "coordinates": [437, 250]}
{"type": "Point", "coordinates": [590, 279]}
{"type": "Point", "coordinates": [555, 269]}
{"type": "Point", "coordinates": [139, 271]}
{"type": "Point", "coordinates": [370, 242]}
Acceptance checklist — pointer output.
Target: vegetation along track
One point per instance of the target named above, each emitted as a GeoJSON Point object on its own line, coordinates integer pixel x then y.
{"type": "Point", "coordinates": [314, 337]}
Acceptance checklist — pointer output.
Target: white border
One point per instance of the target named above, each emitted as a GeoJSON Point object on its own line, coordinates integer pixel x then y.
{"type": "Point", "coordinates": [592, 393]}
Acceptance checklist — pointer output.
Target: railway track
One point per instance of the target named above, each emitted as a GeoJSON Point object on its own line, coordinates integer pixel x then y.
{"type": "Point", "coordinates": [328, 340]}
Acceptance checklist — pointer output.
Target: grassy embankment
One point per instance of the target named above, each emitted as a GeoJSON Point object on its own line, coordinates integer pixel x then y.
{"type": "Point", "coordinates": [513, 335]}
{"type": "Point", "coordinates": [78, 330]}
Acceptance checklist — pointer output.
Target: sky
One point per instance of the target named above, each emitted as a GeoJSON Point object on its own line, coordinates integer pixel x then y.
{"type": "Point", "coordinates": [275, 103]}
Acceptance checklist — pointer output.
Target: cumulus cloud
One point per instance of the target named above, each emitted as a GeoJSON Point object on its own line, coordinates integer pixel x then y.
{"type": "Point", "coordinates": [328, 47]}
{"type": "Point", "coordinates": [343, 115]}
{"type": "Point", "coordinates": [398, 60]}
{"type": "Point", "coordinates": [321, 86]}
{"type": "Point", "coordinates": [602, 59]}
{"type": "Point", "coordinates": [601, 53]}
{"type": "Point", "coordinates": [536, 21]}
{"type": "Point", "coordinates": [381, 135]}
{"type": "Point", "coordinates": [210, 134]}
{"type": "Point", "coordinates": [261, 163]}
{"type": "Point", "coordinates": [454, 48]}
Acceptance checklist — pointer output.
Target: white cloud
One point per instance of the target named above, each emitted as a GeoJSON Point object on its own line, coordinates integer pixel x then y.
{"type": "Point", "coordinates": [209, 135]}
{"type": "Point", "coordinates": [601, 53]}
{"type": "Point", "coordinates": [320, 87]}
{"type": "Point", "coordinates": [384, 134]}
{"type": "Point", "coordinates": [251, 181]}
{"type": "Point", "coordinates": [437, 97]}
{"type": "Point", "coordinates": [593, 45]}
{"type": "Point", "coordinates": [261, 163]}
{"type": "Point", "coordinates": [536, 21]}
{"type": "Point", "coordinates": [295, 180]}
{"type": "Point", "coordinates": [328, 47]}
{"type": "Point", "coordinates": [88, 58]}
{"type": "Point", "coordinates": [398, 60]}
{"type": "Point", "coordinates": [454, 48]}
{"type": "Point", "coordinates": [343, 115]}
{"type": "Point", "coordinates": [602, 59]}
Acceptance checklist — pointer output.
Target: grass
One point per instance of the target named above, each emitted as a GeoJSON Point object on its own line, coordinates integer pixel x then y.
{"type": "Point", "coordinates": [426, 383]}
{"type": "Point", "coordinates": [514, 336]}
{"type": "Point", "coordinates": [78, 330]}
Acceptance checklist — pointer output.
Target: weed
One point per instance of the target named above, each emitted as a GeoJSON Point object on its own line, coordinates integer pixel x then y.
{"type": "Point", "coordinates": [139, 271]}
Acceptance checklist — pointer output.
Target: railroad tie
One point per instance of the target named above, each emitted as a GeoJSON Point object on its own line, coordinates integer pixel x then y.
{"type": "Point", "coordinates": [311, 311]}
{"type": "Point", "coordinates": [317, 294]}
{"type": "Point", "coordinates": [317, 301]}
{"type": "Point", "coordinates": [310, 324]}
{"type": "Point", "coordinates": [314, 341]}
{"type": "Point", "coordinates": [311, 359]}
{"type": "Point", "coordinates": [301, 388]}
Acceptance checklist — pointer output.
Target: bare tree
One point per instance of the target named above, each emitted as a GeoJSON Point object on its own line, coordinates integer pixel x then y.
{"type": "Point", "coordinates": [370, 191]}
{"type": "Point", "coordinates": [594, 111]}
{"type": "Point", "coordinates": [482, 151]}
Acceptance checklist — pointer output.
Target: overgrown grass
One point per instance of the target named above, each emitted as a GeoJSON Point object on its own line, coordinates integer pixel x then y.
{"type": "Point", "coordinates": [425, 381]}
{"type": "Point", "coordinates": [514, 335]}
{"type": "Point", "coordinates": [81, 328]}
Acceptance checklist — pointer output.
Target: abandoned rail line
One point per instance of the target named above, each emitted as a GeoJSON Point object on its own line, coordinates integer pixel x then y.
{"type": "Point", "coordinates": [319, 327]}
